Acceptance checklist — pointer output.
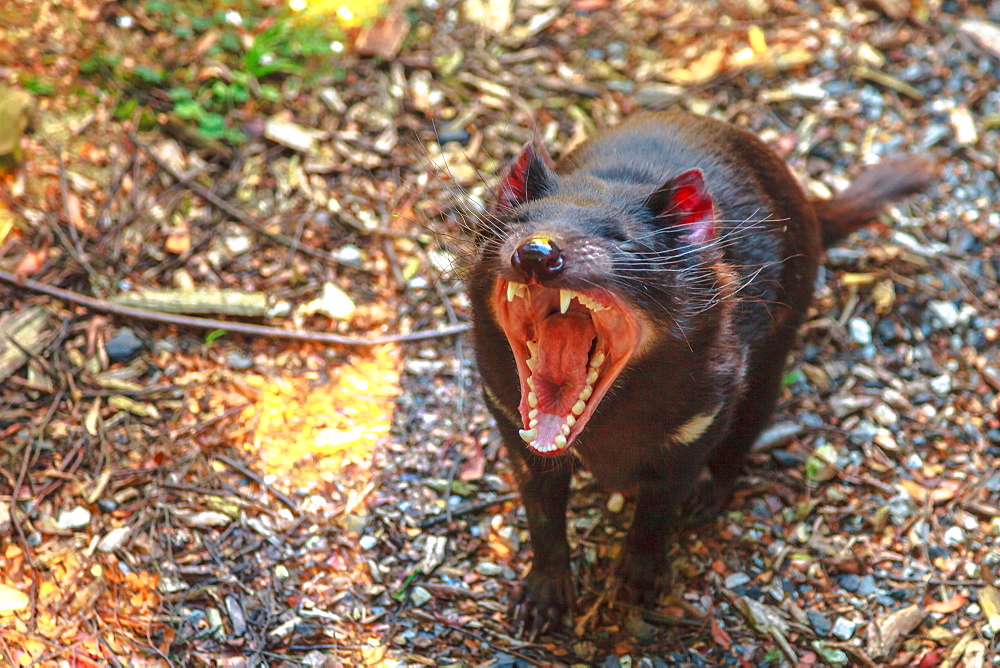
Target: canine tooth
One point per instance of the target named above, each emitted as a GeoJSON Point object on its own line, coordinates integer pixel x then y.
{"type": "Point", "coordinates": [532, 423]}
{"type": "Point", "coordinates": [565, 297]}
{"type": "Point", "coordinates": [532, 347]}
{"type": "Point", "coordinates": [565, 430]}
{"type": "Point", "coordinates": [578, 407]}
{"type": "Point", "coordinates": [560, 441]}
{"type": "Point", "coordinates": [587, 391]}
{"type": "Point", "coordinates": [532, 399]}
{"type": "Point", "coordinates": [570, 420]}
{"type": "Point", "coordinates": [511, 291]}
{"type": "Point", "coordinates": [591, 376]}
{"type": "Point", "coordinates": [598, 360]}
{"type": "Point", "coordinates": [533, 413]}
{"type": "Point", "coordinates": [527, 435]}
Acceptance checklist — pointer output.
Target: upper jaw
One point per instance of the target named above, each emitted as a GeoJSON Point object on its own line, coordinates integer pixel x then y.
{"type": "Point", "coordinates": [569, 346]}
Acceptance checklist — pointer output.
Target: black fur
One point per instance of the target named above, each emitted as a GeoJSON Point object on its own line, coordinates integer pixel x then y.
{"type": "Point", "coordinates": [724, 313]}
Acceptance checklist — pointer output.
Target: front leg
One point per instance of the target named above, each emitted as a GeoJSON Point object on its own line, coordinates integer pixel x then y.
{"type": "Point", "coordinates": [548, 593]}
{"type": "Point", "coordinates": [657, 510]}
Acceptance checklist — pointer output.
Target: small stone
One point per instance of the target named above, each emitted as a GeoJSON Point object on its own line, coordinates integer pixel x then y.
{"type": "Point", "coordinates": [107, 505]}
{"type": "Point", "coordinates": [734, 580]}
{"type": "Point", "coordinates": [123, 346]}
{"type": "Point", "coordinates": [453, 133]}
{"type": "Point", "coordinates": [884, 415]}
{"type": "Point", "coordinates": [844, 628]}
{"type": "Point", "coordinates": [861, 331]}
{"type": "Point", "coordinates": [786, 459]}
{"type": "Point", "coordinates": [239, 361]}
{"type": "Point", "coordinates": [867, 586]}
{"type": "Point", "coordinates": [849, 582]}
{"type": "Point", "coordinates": [348, 254]}
{"type": "Point", "coordinates": [367, 542]}
{"type": "Point", "coordinates": [113, 540]}
{"type": "Point", "coordinates": [75, 518]}
{"type": "Point", "coordinates": [821, 625]}
{"type": "Point", "coordinates": [941, 384]}
{"type": "Point", "coordinates": [943, 314]}
{"type": "Point", "coordinates": [954, 536]}
{"type": "Point", "coordinates": [615, 503]}
{"type": "Point", "coordinates": [419, 596]}
{"type": "Point", "coordinates": [488, 569]}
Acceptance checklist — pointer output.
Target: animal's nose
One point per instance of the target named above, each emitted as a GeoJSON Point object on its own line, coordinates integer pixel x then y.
{"type": "Point", "coordinates": [538, 259]}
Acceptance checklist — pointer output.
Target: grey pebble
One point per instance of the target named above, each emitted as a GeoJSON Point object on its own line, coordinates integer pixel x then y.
{"type": "Point", "coordinates": [124, 346]}
{"type": "Point", "coordinates": [238, 361]}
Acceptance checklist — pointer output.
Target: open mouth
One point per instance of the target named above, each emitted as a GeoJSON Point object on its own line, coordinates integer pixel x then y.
{"type": "Point", "coordinates": [570, 346]}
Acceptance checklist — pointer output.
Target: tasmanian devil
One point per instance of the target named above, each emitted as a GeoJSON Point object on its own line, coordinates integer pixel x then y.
{"type": "Point", "coordinates": [634, 307]}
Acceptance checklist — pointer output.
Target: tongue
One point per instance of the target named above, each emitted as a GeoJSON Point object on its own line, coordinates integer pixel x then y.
{"type": "Point", "coordinates": [564, 342]}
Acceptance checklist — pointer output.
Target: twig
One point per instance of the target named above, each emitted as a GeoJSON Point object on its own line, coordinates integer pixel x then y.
{"type": "Point", "coordinates": [465, 510]}
{"type": "Point", "coordinates": [238, 327]}
{"type": "Point", "coordinates": [260, 481]}
{"type": "Point", "coordinates": [227, 208]}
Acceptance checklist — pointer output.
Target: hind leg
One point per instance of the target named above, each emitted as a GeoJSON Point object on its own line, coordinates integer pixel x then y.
{"type": "Point", "coordinates": [751, 415]}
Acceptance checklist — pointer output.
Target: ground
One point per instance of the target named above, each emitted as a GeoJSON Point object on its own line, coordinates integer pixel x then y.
{"type": "Point", "coordinates": [197, 492]}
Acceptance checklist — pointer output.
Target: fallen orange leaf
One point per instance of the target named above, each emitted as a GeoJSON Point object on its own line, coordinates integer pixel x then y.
{"type": "Point", "coordinates": [12, 599]}
{"type": "Point", "coordinates": [951, 605]}
{"type": "Point", "coordinates": [945, 490]}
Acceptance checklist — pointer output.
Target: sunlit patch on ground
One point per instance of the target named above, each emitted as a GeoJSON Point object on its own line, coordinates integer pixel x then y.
{"type": "Point", "coordinates": [44, 626]}
{"type": "Point", "coordinates": [306, 429]}
{"type": "Point", "coordinates": [347, 13]}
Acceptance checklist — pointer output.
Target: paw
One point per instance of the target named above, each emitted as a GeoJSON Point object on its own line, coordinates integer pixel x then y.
{"type": "Point", "coordinates": [708, 501]}
{"type": "Point", "coordinates": [643, 574]}
{"type": "Point", "coordinates": [546, 597]}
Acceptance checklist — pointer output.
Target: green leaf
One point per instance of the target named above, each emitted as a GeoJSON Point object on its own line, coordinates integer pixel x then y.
{"type": "Point", "coordinates": [180, 94]}
{"type": "Point", "coordinates": [189, 109]}
{"type": "Point", "coordinates": [791, 377]}
{"type": "Point", "coordinates": [400, 594]}
{"type": "Point", "coordinates": [36, 85]}
{"type": "Point", "coordinates": [148, 74]}
{"type": "Point", "coordinates": [211, 337]}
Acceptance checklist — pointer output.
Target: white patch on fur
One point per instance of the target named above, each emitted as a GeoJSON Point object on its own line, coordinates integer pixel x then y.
{"type": "Point", "coordinates": [692, 430]}
{"type": "Point", "coordinates": [509, 414]}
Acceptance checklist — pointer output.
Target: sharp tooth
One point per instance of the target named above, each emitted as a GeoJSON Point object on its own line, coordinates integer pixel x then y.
{"type": "Point", "coordinates": [533, 413]}
{"type": "Point", "coordinates": [532, 347]}
{"type": "Point", "coordinates": [527, 435]}
{"type": "Point", "coordinates": [598, 360]}
{"type": "Point", "coordinates": [530, 362]}
{"type": "Point", "coordinates": [531, 382]}
{"type": "Point", "coordinates": [565, 297]}
{"type": "Point", "coordinates": [511, 291]}
{"type": "Point", "coordinates": [560, 441]}
{"type": "Point", "coordinates": [587, 391]}
{"type": "Point", "coordinates": [578, 407]}
{"type": "Point", "coordinates": [532, 399]}
{"type": "Point", "coordinates": [591, 376]}
{"type": "Point", "coordinates": [533, 423]}
{"type": "Point", "coordinates": [565, 430]}
{"type": "Point", "coordinates": [570, 420]}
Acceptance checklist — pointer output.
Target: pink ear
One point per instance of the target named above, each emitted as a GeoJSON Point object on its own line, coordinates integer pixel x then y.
{"type": "Point", "coordinates": [528, 177]}
{"type": "Point", "coordinates": [685, 201]}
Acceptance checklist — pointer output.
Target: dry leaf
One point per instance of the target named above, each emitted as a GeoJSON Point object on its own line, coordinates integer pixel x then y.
{"type": "Point", "coordinates": [989, 599]}
{"type": "Point", "coordinates": [12, 599]}
{"type": "Point", "coordinates": [983, 33]}
{"type": "Point", "coordinates": [894, 9]}
{"type": "Point", "coordinates": [888, 630]}
{"type": "Point", "coordinates": [384, 37]}
{"type": "Point", "coordinates": [945, 490]}
{"type": "Point", "coordinates": [179, 240]}
{"type": "Point", "coordinates": [705, 68]}
{"type": "Point", "coordinates": [951, 605]}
